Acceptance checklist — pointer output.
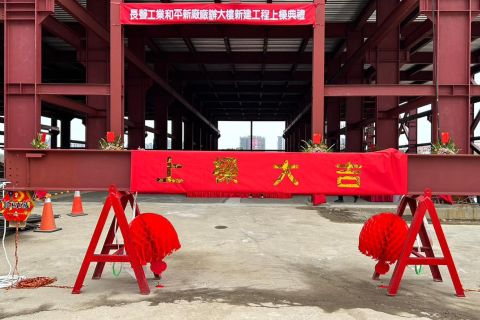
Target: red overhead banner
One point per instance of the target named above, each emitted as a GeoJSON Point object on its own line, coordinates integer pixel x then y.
{"type": "Point", "coordinates": [237, 13]}
{"type": "Point", "coordinates": [375, 173]}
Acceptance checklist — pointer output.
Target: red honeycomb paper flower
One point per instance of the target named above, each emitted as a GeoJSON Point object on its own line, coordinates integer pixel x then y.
{"type": "Point", "coordinates": [382, 238]}
{"type": "Point", "coordinates": [154, 238]}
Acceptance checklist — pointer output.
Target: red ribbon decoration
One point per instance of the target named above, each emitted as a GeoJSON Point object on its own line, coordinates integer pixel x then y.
{"type": "Point", "coordinates": [317, 138]}
{"type": "Point", "coordinates": [110, 137]}
{"type": "Point", "coordinates": [43, 137]}
{"type": "Point", "coordinates": [381, 173]}
{"type": "Point", "coordinates": [445, 137]}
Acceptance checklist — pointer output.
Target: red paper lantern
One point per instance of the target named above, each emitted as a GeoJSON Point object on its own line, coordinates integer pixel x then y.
{"type": "Point", "coordinates": [445, 137]}
{"type": "Point", "coordinates": [110, 137]}
{"type": "Point", "coordinates": [16, 206]}
{"type": "Point", "coordinates": [317, 138]}
{"type": "Point", "coordinates": [154, 238]}
{"type": "Point", "coordinates": [382, 238]}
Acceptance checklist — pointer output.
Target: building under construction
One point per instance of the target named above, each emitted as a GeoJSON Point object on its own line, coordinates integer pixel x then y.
{"type": "Point", "coordinates": [367, 64]}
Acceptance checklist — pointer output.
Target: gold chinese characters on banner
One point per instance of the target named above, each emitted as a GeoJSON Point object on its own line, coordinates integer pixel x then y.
{"type": "Point", "coordinates": [170, 167]}
{"type": "Point", "coordinates": [348, 175]}
{"type": "Point", "coordinates": [286, 172]}
{"type": "Point", "coordinates": [226, 170]}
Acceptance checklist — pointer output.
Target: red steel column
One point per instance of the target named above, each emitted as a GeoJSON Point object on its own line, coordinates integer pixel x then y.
{"type": "Point", "coordinates": [353, 105]}
{"type": "Point", "coordinates": [23, 69]}
{"type": "Point", "coordinates": [162, 102]}
{"type": "Point", "coordinates": [452, 23]}
{"type": "Point", "coordinates": [97, 71]}
{"type": "Point", "coordinates": [136, 88]}
{"type": "Point", "coordinates": [318, 71]}
{"type": "Point", "coordinates": [386, 130]}
{"type": "Point", "coordinates": [176, 116]}
{"type": "Point", "coordinates": [65, 132]}
{"type": "Point", "coordinates": [117, 69]}
{"type": "Point", "coordinates": [161, 121]}
{"type": "Point", "coordinates": [333, 109]}
{"type": "Point", "coordinates": [412, 134]}
{"type": "Point", "coordinates": [333, 123]}
{"type": "Point", "coordinates": [188, 132]}
{"type": "Point", "coordinates": [194, 135]}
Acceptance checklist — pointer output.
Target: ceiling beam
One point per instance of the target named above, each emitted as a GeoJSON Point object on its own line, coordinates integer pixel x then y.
{"type": "Point", "coordinates": [234, 57]}
{"type": "Point", "coordinates": [243, 76]}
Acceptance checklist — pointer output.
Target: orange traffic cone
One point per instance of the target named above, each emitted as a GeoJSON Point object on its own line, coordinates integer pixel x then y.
{"type": "Point", "coordinates": [48, 220]}
{"type": "Point", "coordinates": [77, 208]}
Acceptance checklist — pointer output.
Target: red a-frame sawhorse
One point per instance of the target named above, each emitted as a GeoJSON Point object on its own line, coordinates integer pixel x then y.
{"type": "Point", "coordinates": [124, 252]}
{"type": "Point", "coordinates": [419, 208]}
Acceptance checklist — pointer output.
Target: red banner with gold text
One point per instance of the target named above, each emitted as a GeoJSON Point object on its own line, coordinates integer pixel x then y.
{"type": "Point", "coordinates": [236, 13]}
{"type": "Point", "coordinates": [375, 173]}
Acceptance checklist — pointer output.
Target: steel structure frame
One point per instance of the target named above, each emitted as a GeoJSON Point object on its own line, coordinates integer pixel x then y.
{"type": "Point", "coordinates": [394, 42]}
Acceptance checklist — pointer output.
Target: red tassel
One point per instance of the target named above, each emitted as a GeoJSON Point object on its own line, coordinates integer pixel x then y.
{"type": "Point", "coordinates": [110, 137]}
{"type": "Point", "coordinates": [445, 137]}
{"type": "Point", "coordinates": [317, 138]}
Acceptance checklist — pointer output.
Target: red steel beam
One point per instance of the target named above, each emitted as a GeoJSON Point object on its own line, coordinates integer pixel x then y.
{"type": "Point", "coordinates": [70, 104]}
{"type": "Point", "coordinates": [59, 89]}
{"type": "Point", "coordinates": [243, 76]}
{"type": "Point", "coordinates": [73, 89]}
{"type": "Point", "coordinates": [410, 105]}
{"type": "Point", "coordinates": [87, 20]}
{"type": "Point", "coordinates": [402, 11]}
{"type": "Point", "coordinates": [388, 90]}
{"type": "Point", "coordinates": [95, 170]}
{"type": "Point", "coordinates": [336, 30]}
{"type": "Point", "coordinates": [62, 31]}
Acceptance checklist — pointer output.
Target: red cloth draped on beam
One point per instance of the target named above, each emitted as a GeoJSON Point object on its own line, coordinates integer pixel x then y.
{"type": "Point", "coordinates": [374, 173]}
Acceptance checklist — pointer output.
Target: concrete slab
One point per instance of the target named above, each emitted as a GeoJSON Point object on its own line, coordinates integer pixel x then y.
{"type": "Point", "coordinates": [272, 261]}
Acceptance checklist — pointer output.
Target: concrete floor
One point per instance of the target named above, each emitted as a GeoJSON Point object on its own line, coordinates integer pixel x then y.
{"type": "Point", "coordinates": [240, 260]}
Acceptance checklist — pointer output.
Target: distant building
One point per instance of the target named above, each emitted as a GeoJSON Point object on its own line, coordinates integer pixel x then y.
{"type": "Point", "coordinates": [280, 143]}
{"type": "Point", "coordinates": [245, 143]}
{"type": "Point", "coordinates": [258, 143]}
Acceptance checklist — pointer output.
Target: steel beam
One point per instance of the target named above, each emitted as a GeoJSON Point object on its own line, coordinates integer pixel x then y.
{"type": "Point", "coordinates": [410, 105]}
{"type": "Point", "coordinates": [297, 119]}
{"type": "Point", "coordinates": [62, 31]}
{"type": "Point", "coordinates": [389, 90]}
{"type": "Point", "coordinates": [72, 105]}
{"type": "Point", "coordinates": [318, 70]}
{"type": "Point", "coordinates": [402, 11]}
{"type": "Point", "coordinates": [71, 89]}
{"type": "Point", "coordinates": [234, 57]}
{"type": "Point", "coordinates": [87, 20]}
{"type": "Point", "coordinates": [243, 76]}
{"type": "Point", "coordinates": [95, 170]}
